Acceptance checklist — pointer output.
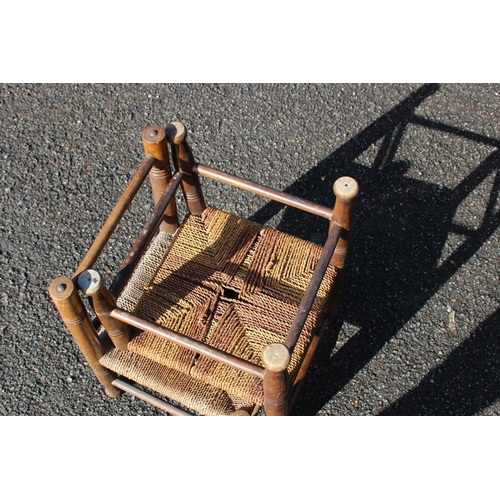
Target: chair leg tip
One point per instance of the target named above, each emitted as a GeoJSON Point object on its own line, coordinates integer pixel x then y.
{"type": "Point", "coordinates": [112, 392]}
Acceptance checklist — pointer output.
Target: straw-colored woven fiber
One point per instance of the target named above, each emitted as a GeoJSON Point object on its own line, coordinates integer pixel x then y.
{"type": "Point", "coordinates": [193, 394]}
{"type": "Point", "coordinates": [210, 247]}
{"type": "Point", "coordinates": [232, 284]}
{"type": "Point", "coordinates": [144, 272]}
{"type": "Point", "coordinates": [245, 330]}
{"type": "Point", "coordinates": [181, 306]}
{"type": "Point", "coordinates": [282, 267]}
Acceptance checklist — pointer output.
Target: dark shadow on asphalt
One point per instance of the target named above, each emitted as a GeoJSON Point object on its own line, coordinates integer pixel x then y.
{"type": "Point", "coordinates": [468, 379]}
{"type": "Point", "coordinates": [394, 265]}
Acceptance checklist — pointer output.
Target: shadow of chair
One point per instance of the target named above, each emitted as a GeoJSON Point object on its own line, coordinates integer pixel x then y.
{"type": "Point", "coordinates": [395, 263]}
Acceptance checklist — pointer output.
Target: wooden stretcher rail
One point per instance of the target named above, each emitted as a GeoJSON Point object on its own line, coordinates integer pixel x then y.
{"type": "Point", "coordinates": [189, 343]}
{"type": "Point", "coordinates": [311, 350]}
{"type": "Point", "coordinates": [145, 236]}
{"type": "Point", "coordinates": [139, 393]}
{"type": "Point", "coordinates": [115, 216]}
{"type": "Point", "coordinates": [313, 287]}
{"type": "Point", "coordinates": [267, 192]}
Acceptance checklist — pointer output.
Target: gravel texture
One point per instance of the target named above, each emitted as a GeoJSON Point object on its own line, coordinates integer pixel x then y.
{"type": "Point", "coordinates": [417, 327]}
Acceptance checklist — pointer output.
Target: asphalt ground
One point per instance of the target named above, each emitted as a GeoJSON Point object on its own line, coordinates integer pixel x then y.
{"type": "Point", "coordinates": [417, 326]}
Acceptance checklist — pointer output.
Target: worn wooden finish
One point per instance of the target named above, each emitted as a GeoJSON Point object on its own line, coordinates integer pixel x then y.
{"type": "Point", "coordinates": [240, 413]}
{"type": "Point", "coordinates": [145, 236]}
{"type": "Point", "coordinates": [266, 192]}
{"type": "Point", "coordinates": [304, 367]}
{"type": "Point", "coordinates": [275, 393]}
{"type": "Point", "coordinates": [313, 287]}
{"type": "Point", "coordinates": [138, 393]}
{"type": "Point", "coordinates": [188, 342]}
{"type": "Point", "coordinates": [276, 358]}
{"type": "Point", "coordinates": [183, 159]}
{"type": "Point", "coordinates": [70, 306]}
{"type": "Point", "coordinates": [345, 189]}
{"type": "Point", "coordinates": [92, 284]}
{"type": "Point", "coordinates": [333, 297]}
{"type": "Point", "coordinates": [115, 217]}
{"type": "Point", "coordinates": [155, 143]}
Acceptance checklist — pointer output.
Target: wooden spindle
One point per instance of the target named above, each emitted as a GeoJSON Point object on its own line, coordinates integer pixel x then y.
{"type": "Point", "coordinates": [155, 144]}
{"type": "Point", "coordinates": [345, 189]}
{"type": "Point", "coordinates": [70, 306]}
{"type": "Point", "coordinates": [184, 159]}
{"type": "Point", "coordinates": [276, 358]}
{"type": "Point", "coordinates": [92, 284]}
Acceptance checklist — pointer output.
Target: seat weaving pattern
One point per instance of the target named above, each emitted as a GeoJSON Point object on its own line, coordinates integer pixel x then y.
{"type": "Point", "coordinates": [193, 394]}
{"type": "Point", "coordinates": [230, 283]}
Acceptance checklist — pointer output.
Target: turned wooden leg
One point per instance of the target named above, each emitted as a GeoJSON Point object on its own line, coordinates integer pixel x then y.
{"type": "Point", "coordinates": [276, 358]}
{"type": "Point", "coordinates": [70, 306]}
{"type": "Point", "coordinates": [345, 189]}
{"type": "Point", "coordinates": [91, 284]}
{"type": "Point", "coordinates": [333, 298]}
{"type": "Point", "coordinates": [183, 159]}
{"type": "Point", "coordinates": [155, 144]}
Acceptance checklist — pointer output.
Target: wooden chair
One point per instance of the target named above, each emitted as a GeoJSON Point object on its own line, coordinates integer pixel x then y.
{"type": "Point", "coordinates": [219, 314]}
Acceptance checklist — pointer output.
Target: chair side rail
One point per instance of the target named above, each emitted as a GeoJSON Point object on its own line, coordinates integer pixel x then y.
{"type": "Point", "coordinates": [145, 236]}
{"type": "Point", "coordinates": [266, 192]}
{"type": "Point", "coordinates": [188, 342]}
{"type": "Point", "coordinates": [140, 394]}
{"type": "Point", "coordinates": [115, 216]}
{"type": "Point", "coordinates": [313, 287]}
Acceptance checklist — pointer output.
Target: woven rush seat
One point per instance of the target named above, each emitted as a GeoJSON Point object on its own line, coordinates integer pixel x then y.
{"type": "Point", "coordinates": [226, 281]}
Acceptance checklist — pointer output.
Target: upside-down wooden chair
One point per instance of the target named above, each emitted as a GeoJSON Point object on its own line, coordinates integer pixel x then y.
{"type": "Point", "coordinates": [218, 315]}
